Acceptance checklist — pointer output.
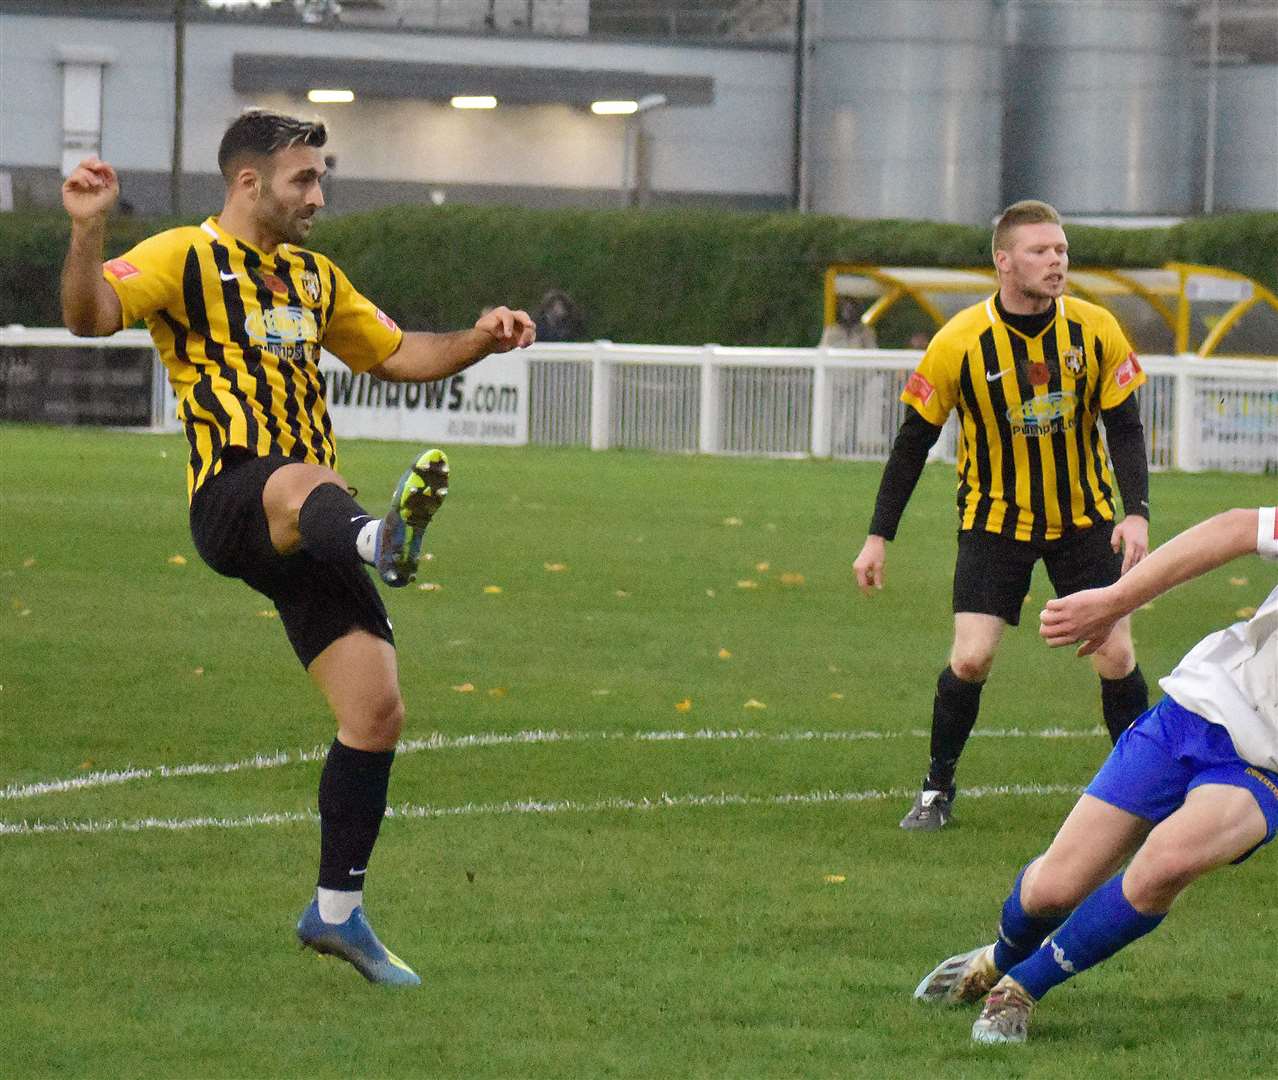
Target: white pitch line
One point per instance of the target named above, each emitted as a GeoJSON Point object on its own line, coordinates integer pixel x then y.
{"type": "Point", "coordinates": [437, 741]}
{"type": "Point", "coordinates": [412, 811]}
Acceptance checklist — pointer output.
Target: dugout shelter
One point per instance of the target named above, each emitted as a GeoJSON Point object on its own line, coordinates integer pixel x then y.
{"type": "Point", "coordinates": [1176, 309]}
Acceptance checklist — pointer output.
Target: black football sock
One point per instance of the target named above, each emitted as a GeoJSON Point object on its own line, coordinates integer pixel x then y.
{"type": "Point", "coordinates": [352, 802]}
{"type": "Point", "coordinates": [1122, 700]}
{"type": "Point", "coordinates": [330, 521]}
{"type": "Point", "coordinates": [953, 716]}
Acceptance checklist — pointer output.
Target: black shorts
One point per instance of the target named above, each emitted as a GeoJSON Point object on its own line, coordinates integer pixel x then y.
{"type": "Point", "coordinates": [992, 574]}
{"type": "Point", "coordinates": [318, 602]}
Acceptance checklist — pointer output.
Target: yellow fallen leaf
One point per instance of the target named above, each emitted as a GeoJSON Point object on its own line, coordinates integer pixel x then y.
{"type": "Point", "coordinates": [1242, 612]}
{"type": "Point", "coordinates": [554, 567]}
{"type": "Point", "coordinates": [747, 583]}
{"type": "Point", "coordinates": [792, 578]}
{"type": "Point", "coordinates": [177, 560]}
{"type": "Point", "coordinates": [684, 706]}
{"type": "Point", "coordinates": [600, 693]}
{"type": "Point", "coordinates": [197, 671]}
{"type": "Point", "coordinates": [429, 586]}
{"type": "Point", "coordinates": [724, 654]}
{"type": "Point", "coordinates": [836, 696]}
{"type": "Point", "coordinates": [266, 613]}
{"type": "Point", "coordinates": [622, 594]}
{"type": "Point", "coordinates": [1232, 580]}
{"type": "Point", "coordinates": [492, 590]}
{"type": "Point", "coordinates": [732, 521]}
{"type": "Point", "coordinates": [754, 703]}
{"type": "Point", "coordinates": [762, 567]}
{"type": "Point", "coordinates": [87, 763]}
{"type": "Point", "coordinates": [18, 605]}
{"type": "Point", "coordinates": [770, 527]}
{"type": "Point", "coordinates": [465, 688]}
{"type": "Point", "coordinates": [29, 563]}
{"type": "Point", "coordinates": [710, 593]}
{"type": "Point", "coordinates": [24, 611]}
{"type": "Point", "coordinates": [835, 879]}
{"type": "Point", "coordinates": [497, 692]}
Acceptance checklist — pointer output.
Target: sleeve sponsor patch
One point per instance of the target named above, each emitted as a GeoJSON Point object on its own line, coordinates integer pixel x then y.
{"type": "Point", "coordinates": [121, 269]}
{"type": "Point", "coordinates": [1127, 370]}
{"type": "Point", "coordinates": [920, 388]}
{"type": "Point", "coordinates": [387, 321]}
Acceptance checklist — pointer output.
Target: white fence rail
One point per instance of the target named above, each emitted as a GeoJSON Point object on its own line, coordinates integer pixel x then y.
{"type": "Point", "coordinates": [1199, 414]}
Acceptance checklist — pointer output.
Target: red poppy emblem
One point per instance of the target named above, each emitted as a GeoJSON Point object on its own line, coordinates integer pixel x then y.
{"type": "Point", "coordinates": [274, 284]}
{"type": "Point", "coordinates": [1039, 375]}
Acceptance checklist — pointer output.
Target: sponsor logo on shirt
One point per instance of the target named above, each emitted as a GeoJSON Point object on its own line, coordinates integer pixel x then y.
{"type": "Point", "coordinates": [386, 321]}
{"type": "Point", "coordinates": [121, 269]}
{"type": "Point", "coordinates": [1043, 415]}
{"type": "Point", "coordinates": [1127, 370]}
{"type": "Point", "coordinates": [919, 387]}
{"type": "Point", "coordinates": [281, 325]}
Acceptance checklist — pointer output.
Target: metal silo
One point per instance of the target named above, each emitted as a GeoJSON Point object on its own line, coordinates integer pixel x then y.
{"type": "Point", "coordinates": [1099, 102]}
{"type": "Point", "coordinates": [905, 109]}
{"type": "Point", "coordinates": [1247, 139]}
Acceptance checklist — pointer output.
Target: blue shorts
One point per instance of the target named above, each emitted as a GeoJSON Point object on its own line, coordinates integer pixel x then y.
{"type": "Point", "coordinates": [1166, 753]}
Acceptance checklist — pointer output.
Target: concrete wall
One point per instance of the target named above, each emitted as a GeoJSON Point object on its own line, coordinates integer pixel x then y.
{"type": "Point", "coordinates": [735, 152]}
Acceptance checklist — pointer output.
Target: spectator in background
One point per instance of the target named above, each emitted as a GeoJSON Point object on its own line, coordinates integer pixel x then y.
{"type": "Point", "coordinates": [559, 318]}
{"type": "Point", "coordinates": [848, 331]}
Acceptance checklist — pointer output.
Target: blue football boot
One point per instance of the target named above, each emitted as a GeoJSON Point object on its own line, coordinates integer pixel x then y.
{"type": "Point", "coordinates": [417, 499]}
{"type": "Point", "coordinates": [354, 941]}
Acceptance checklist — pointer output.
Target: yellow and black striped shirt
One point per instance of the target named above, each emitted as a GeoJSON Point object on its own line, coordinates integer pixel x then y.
{"type": "Point", "coordinates": [240, 332]}
{"type": "Point", "coordinates": [1031, 464]}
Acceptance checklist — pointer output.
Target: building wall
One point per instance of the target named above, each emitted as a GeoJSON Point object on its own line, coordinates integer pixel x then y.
{"type": "Point", "coordinates": [734, 152]}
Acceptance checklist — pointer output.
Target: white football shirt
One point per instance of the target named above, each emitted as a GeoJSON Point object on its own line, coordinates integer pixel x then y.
{"type": "Point", "coordinates": [1231, 677]}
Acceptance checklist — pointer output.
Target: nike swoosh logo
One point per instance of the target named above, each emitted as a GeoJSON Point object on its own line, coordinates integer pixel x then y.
{"type": "Point", "coordinates": [228, 277]}
{"type": "Point", "coordinates": [358, 873]}
{"type": "Point", "coordinates": [998, 374]}
{"type": "Point", "coordinates": [362, 517]}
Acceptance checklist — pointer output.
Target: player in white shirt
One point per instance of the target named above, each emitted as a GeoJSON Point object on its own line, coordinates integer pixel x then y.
{"type": "Point", "coordinates": [1191, 786]}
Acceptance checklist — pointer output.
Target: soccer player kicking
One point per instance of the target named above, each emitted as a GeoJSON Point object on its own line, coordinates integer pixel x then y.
{"type": "Point", "coordinates": [238, 311]}
{"type": "Point", "coordinates": [1191, 786]}
{"type": "Point", "coordinates": [1031, 372]}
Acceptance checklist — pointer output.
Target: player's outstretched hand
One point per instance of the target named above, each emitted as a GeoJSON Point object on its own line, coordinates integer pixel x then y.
{"type": "Point", "coordinates": [869, 564]}
{"type": "Point", "coordinates": [508, 329]}
{"type": "Point", "coordinates": [90, 190]}
{"type": "Point", "coordinates": [1132, 534]}
{"type": "Point", "coordinates": [1088, 616]}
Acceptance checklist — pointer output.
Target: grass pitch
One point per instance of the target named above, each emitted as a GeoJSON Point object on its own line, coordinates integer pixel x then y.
{"type": "Point", "coordinates": [647, 824]}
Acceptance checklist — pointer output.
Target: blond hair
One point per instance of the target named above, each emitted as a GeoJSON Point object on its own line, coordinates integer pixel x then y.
{"type": "Point", "coordinates": [1025, 212]}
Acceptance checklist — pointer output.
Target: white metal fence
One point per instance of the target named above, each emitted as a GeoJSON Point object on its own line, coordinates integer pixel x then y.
{"type": "Point", "coordinates": [1198, 414]}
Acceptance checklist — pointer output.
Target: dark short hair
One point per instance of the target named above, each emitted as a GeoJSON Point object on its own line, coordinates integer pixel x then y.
{"type": "Point", "coordinates": [1025, 212]}
{"type": "Point", "coordinates": [260, 132]}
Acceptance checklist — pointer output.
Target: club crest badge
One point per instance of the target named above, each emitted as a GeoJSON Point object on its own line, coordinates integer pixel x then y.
{"type": "Point", "coordinates": [1074, 361]}
{"type": "Point", "coordinates": [311, 285]}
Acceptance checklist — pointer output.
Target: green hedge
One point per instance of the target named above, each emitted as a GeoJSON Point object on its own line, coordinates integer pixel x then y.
{"type": "Point", "coordinates": [671, 277]}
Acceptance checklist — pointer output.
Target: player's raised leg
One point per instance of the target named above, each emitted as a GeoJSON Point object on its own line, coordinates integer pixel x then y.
{"type": "Point", "coordinates": [417, 498]}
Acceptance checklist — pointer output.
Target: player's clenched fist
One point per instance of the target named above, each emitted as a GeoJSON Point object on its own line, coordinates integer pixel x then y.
{"type": "Point", "coordinates": [91, 189]}
{"type": "Point", "coordinates": [508, 329]}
